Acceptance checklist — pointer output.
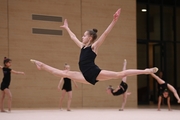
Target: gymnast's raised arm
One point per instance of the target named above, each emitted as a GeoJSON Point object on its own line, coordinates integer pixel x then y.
{"type": "Point", "coordinates": [107, 31]}
{"type": "Point", "coordinates": [71, 34]}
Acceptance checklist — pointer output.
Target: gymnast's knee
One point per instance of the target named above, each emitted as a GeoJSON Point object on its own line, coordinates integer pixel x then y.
{"type": "Point", "coordinates": [122, 74]}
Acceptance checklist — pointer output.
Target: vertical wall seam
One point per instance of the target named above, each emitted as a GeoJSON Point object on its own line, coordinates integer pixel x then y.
{"type": "Point", "coordinates": [8, 26]}
{"type": "Point", "coordinates": [81, 35]}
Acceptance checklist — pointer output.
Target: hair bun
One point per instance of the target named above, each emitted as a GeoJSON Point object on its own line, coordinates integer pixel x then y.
{"type": "Point", "coordinates": [95, 30]}
{"type": "Point", "coordinates": [5, 58]}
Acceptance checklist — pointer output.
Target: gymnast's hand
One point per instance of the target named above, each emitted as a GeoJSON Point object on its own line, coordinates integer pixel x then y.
{"type": "Point", "coordinates": [65, 24]}
{"type": "Point", "coordinates": [58, 88]}
{"type": "Point", "coordinates": [116, 14]}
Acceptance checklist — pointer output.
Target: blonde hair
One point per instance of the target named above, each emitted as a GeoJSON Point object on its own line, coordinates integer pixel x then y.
{"type": "Point", "coordinates": [66, 65]}
{"type": "Point", "coordinates": [110, 87]}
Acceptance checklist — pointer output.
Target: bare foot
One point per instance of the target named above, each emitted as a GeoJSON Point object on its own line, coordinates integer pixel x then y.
{"type": "Point", "coordinates": [151, 70]}
{"type": "Point", "coordinates": [37, 63]}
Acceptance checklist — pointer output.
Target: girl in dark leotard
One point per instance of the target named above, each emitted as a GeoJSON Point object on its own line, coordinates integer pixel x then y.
{"type": "Point", "coordinates": [67, 88]}
{"type": "Point", "coordinates": [6, 82]}
{"type": "Point", "coordinates": [121, 89]}
{"type": "Point", "coordinates": [90, 72]}
{"type": "Point", "coordinates": [164, 88]}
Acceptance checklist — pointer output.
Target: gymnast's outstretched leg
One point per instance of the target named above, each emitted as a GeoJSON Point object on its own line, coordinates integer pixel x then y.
{"type": "Point", "coordinates": [77, 76]}
{"type": "Point", "coordinates": [106, 75]}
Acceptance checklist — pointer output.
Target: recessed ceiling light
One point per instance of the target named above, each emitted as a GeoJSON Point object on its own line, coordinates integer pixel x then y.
{"type": "Point", "coordinates": [143, 10]}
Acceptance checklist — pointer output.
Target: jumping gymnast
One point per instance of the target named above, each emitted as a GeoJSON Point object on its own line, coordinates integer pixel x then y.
{"type": "Point", "coordinates": [91, 73]}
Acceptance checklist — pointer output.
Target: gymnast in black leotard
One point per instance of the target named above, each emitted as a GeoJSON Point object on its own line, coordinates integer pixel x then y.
{"type": "Point", "coordinates": [121, 89]}
{"type": "Point", "coordinates": [6, 79]}
{"type": "Point", "coordinates": [164, 89]}
{"type": "Point", "coordinates": [6, 82]}
{"type": "Point", "coordinates": [67, 88]}
{"type": "Point", "coordinates": [67, 85]}
{"type": "Point", "coordinates": [87, 66]}
{"type": "Point", "coordinates": [91, 73]}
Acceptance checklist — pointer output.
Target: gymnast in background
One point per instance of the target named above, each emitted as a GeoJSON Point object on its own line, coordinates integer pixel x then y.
{"type": "Point", "coordinates": [6, 82]}
{"type": "Point", "coordinates": [121, 89]}
{"type": "Point", "coordinates": [164, 89]}
{"type": "Point", "coordinates": [67, 88]}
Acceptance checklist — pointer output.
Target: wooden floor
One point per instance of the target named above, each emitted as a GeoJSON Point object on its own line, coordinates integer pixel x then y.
{"type": "Point", "coordinates": [92, 114]}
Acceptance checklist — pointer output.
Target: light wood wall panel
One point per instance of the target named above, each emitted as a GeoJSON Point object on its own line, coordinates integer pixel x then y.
{"type": "Point", "coordinates": [3, 33]}
{"type": "Point", "coordinates": [38, 89]}
{"type": "Point", "coordinates": [3, 30]}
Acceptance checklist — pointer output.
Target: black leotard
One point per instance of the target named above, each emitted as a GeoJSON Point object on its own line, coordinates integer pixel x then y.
{"type": "Point", "coordinates": [67, 85]}
{"type": "Point", "coordinates": [121, 90]}
{"type": "Point", "coordinates": [6, 79]}
{"type": "Point", "coordinates": [162, 88]}
{"type": "Point", "coordinates": [87, 66]}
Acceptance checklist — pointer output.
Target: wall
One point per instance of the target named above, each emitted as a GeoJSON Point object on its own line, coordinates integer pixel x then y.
{"type": "Point", "coordinates": [38, 89]}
